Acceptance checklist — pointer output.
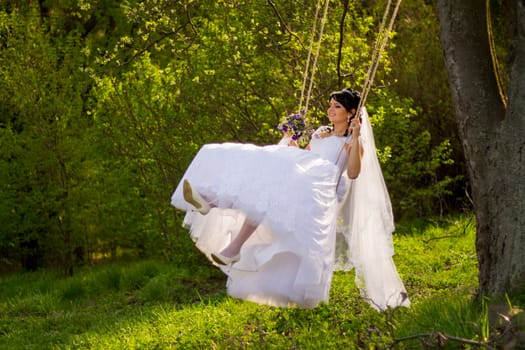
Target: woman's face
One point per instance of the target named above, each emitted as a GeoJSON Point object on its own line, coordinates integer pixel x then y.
{"type": "Point", "coordinates": [337, 113]}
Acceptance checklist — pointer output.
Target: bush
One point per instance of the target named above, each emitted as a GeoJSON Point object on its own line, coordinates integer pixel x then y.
{"type": "Point", "coordinates": [412, 161]}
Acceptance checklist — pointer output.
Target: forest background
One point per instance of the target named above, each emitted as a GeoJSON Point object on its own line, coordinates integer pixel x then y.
{"type": "Point", "coordinates": [104, 103]}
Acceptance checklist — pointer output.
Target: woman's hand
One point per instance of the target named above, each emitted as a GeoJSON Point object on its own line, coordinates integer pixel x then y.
{"type": "Point", "coordinates": [355, 127]}
{"type": "Point", "coordinates": [293, 143]}
{"type": "Point", "coordinates": [287, 140]}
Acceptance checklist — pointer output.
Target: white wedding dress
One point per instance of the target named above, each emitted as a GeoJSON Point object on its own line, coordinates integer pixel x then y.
{"type": "Point", "coordinates": [295, 196]}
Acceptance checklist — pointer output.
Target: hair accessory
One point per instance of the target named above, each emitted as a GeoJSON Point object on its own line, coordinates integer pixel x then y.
{"type": "Point", "coordinates": [349, 91]}
{"type": "Point", "coordinates": [352, 93]}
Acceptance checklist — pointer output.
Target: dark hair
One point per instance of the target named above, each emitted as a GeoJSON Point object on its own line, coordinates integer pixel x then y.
{"type": "Point", "coordinates": [347, 97]}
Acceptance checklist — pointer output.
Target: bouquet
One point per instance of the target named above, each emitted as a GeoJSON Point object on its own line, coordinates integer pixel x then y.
{"type": "Point", "coordinates": [295, 127]}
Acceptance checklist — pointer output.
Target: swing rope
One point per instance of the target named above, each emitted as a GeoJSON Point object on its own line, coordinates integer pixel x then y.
{"type": "Point", "coordinates": [307, 66]}
{"type": "Point", "coordinates": [314, 64]}
{"type": "Point", "coordinates": [379, 47]}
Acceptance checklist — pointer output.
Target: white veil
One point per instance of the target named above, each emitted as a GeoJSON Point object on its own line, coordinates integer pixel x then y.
{"type": "Point", "coordinates": [367, 223]}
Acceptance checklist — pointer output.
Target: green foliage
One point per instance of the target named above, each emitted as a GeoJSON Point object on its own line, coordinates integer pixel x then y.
{"type": "Point", "coordinates": [418, 68]}
{"type": "Point", "coordinates": [104, 104]}
{"type": "Point", "coordinates": [412, 162]}
{"type": "Point", "coordinates": [42, 87]}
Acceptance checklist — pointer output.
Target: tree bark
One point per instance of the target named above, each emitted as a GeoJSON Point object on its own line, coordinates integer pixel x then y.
{"type": "Point", "coordinates": [492, 137]}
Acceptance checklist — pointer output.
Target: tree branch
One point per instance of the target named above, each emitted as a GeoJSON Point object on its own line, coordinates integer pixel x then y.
{"type": "Point", "coordinates": [341, 34]}
{"type": "Point", "coordinates": [149, 45]}
{"type": "Point", "coordinates": [282, 22]}
{"type": "Point", "coordinates": [442, 338]}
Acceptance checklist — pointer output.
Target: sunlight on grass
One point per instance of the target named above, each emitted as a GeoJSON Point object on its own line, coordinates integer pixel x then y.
{"type": "Point", "coordinates": [437, 257]}
{"type": "Point", "coordinates": [156, 304]}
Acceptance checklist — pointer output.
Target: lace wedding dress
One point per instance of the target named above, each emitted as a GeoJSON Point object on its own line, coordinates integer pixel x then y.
{"type": "Point", "coordinates": [297, 198]}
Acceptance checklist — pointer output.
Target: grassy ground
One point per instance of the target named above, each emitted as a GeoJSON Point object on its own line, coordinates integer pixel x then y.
{"type": "Point", "coordinates": [161, 305]}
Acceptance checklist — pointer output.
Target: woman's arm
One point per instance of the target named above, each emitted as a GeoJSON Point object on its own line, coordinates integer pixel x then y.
{"type": "Point", "coordinates": [355, 152]}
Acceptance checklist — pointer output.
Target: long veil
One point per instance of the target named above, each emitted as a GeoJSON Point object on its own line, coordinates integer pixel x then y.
{"type": "Point", "coordinates": [367, 223]}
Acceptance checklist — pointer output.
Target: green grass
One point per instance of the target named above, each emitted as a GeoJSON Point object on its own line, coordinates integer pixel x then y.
{"type": "Point", "coordinates": [162, 305]}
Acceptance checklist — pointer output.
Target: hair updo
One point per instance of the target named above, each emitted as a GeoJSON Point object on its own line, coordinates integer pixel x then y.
{"type": "Point", "coordinates": [347, 97]}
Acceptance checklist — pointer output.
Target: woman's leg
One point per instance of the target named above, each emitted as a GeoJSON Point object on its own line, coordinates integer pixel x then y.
{"type": "Point", "coordinates": [203, 204]}
{"type": "Point", "coordinates": [233, 249]}
{"type": "Point", "coordinates": [230, 254]}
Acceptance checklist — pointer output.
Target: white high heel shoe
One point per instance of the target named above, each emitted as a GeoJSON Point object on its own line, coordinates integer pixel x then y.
{"type": "Point", "coordinates": [194, 198]}
{"type": "Point", "coordinates": [224, 260]}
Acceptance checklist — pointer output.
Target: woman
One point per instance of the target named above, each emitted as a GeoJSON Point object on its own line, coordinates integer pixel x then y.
{"type": "Point", "coordinates": [268, 215]}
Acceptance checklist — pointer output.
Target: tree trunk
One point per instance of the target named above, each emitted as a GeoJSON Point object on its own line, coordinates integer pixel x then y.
{"type": "Point", "coordinates": [492, 137]}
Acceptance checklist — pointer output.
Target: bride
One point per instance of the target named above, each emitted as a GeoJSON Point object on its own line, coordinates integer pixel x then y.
{"type": "Point", "coordinates": [268, 216]}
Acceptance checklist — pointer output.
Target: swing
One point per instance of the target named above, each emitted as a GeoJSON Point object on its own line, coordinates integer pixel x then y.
{"type": "Point", "coordinates": [387, 23]}
{"type": "Point", "coordinates": [292, 204]}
